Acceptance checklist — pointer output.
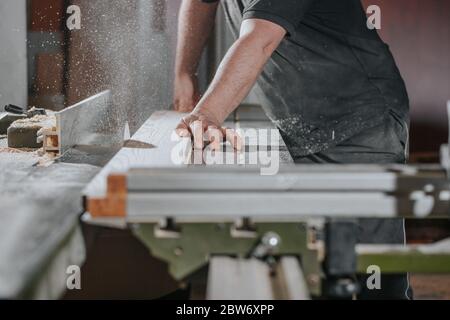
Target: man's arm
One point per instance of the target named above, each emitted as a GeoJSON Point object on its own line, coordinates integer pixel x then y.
{"type": "Point", "coordinates": [236, 75]}
{"type": "Point", "coordinates": [196, 22]}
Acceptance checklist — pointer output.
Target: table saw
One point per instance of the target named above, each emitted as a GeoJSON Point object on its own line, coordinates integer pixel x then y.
{"type": "Point", "coordinates": [282, 236]}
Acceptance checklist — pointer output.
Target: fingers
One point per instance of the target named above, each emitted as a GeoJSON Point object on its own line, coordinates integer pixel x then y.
{"type": "Point", "coordinates": [233, 138]}
{"type": "Point", "coordinates": [191, 126]}
{"type": "Point", "coordinates": [202, 131]}
{"type": "Point", "coordinates": [197, 130]}
{"type": "Point", "coordinates": [214, 135]}
{"type": "Point", "coordinates": [183, 129]}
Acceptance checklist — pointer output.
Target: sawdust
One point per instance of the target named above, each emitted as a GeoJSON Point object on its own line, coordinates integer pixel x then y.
{"type": "Point", "coordinates": [46, 159]}
{"type": "Point", "coordinates": [43, 159]}
{"type": "Point", "coordinates": [12, 150]}
{"type": "Point", "coordinates": [36, 122]}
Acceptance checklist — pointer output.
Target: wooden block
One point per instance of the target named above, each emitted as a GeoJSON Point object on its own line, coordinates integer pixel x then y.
{"type": "Point", "coordinates": [50, 140]}
{"type": "Point", "coordinates": [6, 119]}
{"type": "Point", "coordinates": [24, 133]}
{"type": "Point", "coordinates": [23, 137]}
{"type": "Point", "coordinates": [115, 202]}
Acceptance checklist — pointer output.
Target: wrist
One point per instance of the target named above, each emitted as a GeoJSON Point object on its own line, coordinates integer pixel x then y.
{"type": "Point", "coordinates": [185, 73]}
{"type": "Point", "coordinates": [204, 113]}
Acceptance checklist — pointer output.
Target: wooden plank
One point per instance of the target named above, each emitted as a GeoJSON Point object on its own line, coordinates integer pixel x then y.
{"type": "Point", "coordinates": [153, 145]}
{"type": "Point", "coordinates": [156, 133]}
{"type": "Point", "coordinates": [252, 279]}
{"type": "Point", "coordinates": [238, 279]}
{"type": "Point", "coordinates": [291, 282]}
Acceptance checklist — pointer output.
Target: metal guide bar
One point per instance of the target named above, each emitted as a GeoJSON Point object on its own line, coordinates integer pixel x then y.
{"type": "Point", "coordinates": [277, 206]}
{"type": "Point", "coordinates": [305, 178]}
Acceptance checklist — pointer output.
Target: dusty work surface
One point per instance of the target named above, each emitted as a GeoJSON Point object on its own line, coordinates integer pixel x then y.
{"type": "Point", "coordinates": [39, 209]}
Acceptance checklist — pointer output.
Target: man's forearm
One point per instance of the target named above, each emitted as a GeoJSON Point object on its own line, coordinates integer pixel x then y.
{"type": "Point", "coordinates": [238, 73]}
{"type": "Point", "coordinates": [195, 25]}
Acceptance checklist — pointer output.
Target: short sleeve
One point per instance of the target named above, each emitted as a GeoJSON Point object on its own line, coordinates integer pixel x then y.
{"type": "Point", "coordinates": [286, 13]}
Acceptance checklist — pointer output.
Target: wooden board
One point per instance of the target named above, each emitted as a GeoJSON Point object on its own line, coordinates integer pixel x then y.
{"type": "Point", "coordinates": [237, 279]}
{"type": "Point", "coordinates": [151, 146]}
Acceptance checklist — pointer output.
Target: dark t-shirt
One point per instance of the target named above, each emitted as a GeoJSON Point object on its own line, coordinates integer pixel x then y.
{"type": "Point", "coordinates": [330, 78]}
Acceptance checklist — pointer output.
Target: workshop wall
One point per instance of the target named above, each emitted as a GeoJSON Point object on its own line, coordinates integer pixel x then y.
{"type": "Point", "coordinates": [418, 32]}
{"type": "Point", "coordinates": [46, 54]}
{"type": "Point", "coordinates": [13, 66]}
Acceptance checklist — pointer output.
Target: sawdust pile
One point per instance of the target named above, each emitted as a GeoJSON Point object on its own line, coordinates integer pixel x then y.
{"type": "Point", "coordinates": [46, 159]}
{"type": "Point", "coordinates": [12, 150]}
{"type": "Point", "coordinates": [37, 122]}
{"type": "Point", "coordinates": [43, 159]}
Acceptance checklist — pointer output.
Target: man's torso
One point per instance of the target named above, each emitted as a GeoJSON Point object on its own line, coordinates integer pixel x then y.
{"type": "Point", "coordinates": [331, 77]}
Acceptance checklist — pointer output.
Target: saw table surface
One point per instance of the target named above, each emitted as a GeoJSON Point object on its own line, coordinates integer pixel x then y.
{"type": "Point", "coordinates": [39, 229]}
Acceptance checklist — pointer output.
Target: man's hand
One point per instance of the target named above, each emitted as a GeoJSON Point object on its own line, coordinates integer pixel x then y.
{"type": "Point", "coordinates": [205, 129]}
{"type": "Point", "coordinates": [235, 77]}
{"type": "Point", "coordinates": [186, 93]}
